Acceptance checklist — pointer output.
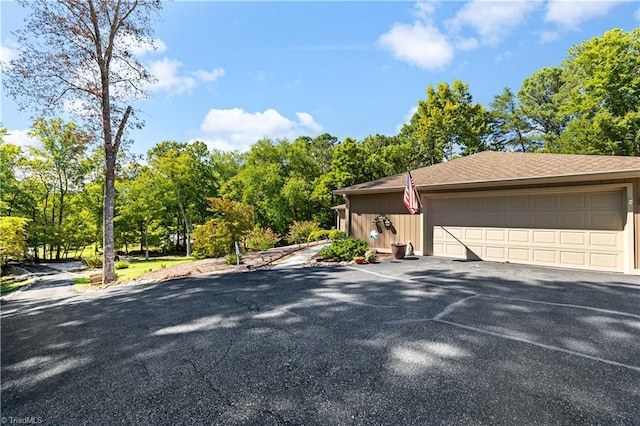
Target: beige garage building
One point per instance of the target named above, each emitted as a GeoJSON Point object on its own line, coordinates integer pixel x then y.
{"type": "Point", "coordinates": [572, 211]}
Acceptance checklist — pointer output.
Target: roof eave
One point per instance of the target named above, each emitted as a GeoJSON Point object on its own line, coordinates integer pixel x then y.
{"type": "Point", "coordinates": [624, 174]}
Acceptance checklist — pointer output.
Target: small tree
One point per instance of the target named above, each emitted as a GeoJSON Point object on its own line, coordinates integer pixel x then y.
{"type": "Point", "coordinates": [13, 238]}
{"type": "Point", "coordinates": [231, 221]}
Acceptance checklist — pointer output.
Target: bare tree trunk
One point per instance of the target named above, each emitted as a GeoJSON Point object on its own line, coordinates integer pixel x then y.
{"type": "Point", "coordinates": [187, 226]}
{"type": "Point", "coordinates": [108, 242]}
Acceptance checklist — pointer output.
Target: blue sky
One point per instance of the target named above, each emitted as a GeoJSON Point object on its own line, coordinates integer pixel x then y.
{"type": "Point", "coordinates": [232, 72]}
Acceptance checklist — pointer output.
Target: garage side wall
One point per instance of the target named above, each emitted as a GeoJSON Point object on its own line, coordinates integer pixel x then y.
{"type": "Point", "coordinates": [363, 209]}
{"type": "Point", "coordinates": [636, 202]}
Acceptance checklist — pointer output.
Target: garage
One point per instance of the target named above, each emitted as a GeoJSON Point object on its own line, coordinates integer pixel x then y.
{"type": "Point", "coordinates": [556, 210]}
{"type": "Point", "coordinates": [576, 228]}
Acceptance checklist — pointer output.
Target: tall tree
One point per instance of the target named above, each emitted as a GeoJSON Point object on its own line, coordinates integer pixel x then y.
{"type": "Point", "coordinates": [449, 122]}
{"type": "Point", "coordinates": [509, 125]}
{"type": "Point", "coordinates": [187, 170]}
{"type": "Point", "coordinates": [602, 78]}
{"type": "Point", "coordinates": [77, 55]}
{"type": "Point", "coordinates": [61, 160]}
{"type": "Point", "coordinates": [540, 99]}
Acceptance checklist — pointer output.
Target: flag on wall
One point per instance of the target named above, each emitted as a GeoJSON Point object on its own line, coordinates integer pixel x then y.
{"type": "Point", "coordinates": [411, 197]}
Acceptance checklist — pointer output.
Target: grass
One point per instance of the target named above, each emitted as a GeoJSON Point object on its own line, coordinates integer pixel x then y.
{"type": "Point", "coordinates": [137, 268]}
{"type": "Point", "coordinates": [140, 267]}
{"type": "Point", "coordinates": [9, 285]}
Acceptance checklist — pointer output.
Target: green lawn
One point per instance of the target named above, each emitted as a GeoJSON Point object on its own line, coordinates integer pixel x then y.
{"type": "Point", "coordinates": [9, 285]}
{"type": "Point", "coordinates": [141, 267]}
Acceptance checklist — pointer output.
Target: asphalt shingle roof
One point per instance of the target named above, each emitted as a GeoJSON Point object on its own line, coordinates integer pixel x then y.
{"type": "Point", "coordinates": [494, 168]}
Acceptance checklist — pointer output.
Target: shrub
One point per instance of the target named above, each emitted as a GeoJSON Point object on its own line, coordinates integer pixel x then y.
{"type": "Point", "coordinates": [321, 234]}
{"type": "Point", "coordinates": [231, 259]}
{"type": "Point", "coordinates": [299, 231]}
{"type": "Point", "coordinates": [122, 264]}
{"type": "Point", "coordinates": [212, 239]}
{"type": "Point", "coordinates": [336, 234]}
{"type": "Point", "coordinates": [370, 256]}
{"type": "Point", "coordinates": [261, 239]}
{"type": "Point", "coordinates": [345, 249]}
{"type": "Point", "coordinates": [92, 261]}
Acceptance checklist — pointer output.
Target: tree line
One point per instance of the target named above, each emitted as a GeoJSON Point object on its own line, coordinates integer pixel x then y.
{"type": "Point", "coordinates": [588, 104]}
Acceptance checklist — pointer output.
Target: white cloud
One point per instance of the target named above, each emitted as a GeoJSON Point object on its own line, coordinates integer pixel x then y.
{"type": "Point", "coordinates": [7, 53]}
{"type": "Point", "coordinates": [470, 43]}
{"type": "Point", "coordinates": [502, 56]}
{"type": "Point", "coordinates": [237, 129]}
{"type": "Point", "coordinates": [166, 71]}
{"type": "Point", "coordinates": [548, 36]}
{"type": "Point", "coordinates": [170, 80]}
{"type": "Point", "coordinates": [407, 117]}
{"type": "Point", "coordinates": [306, 120]}
{"type": "Point", "coordinates": [418, 44]}
{"type": "Point", "coordinates": [21, 138]}
{"type": "Point", "coordinates": [209, 75]}
{"type": "Point", "coordinates": [424, 10]}
{"type": "Point", "coordinates": [140, 46]}
{"type": "Point", "coordinates": [637, 14]}
{"type": "Point", "coordinates": [492, 20]}
{"type": "Point", "coordinates": [570, 14]}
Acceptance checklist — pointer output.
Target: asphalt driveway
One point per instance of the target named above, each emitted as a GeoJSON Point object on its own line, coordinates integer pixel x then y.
{"type": "Point", "coordinates": [424, 341]}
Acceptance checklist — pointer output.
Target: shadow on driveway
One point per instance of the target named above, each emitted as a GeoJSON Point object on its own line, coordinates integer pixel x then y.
{"type": "Point", "coordinates": [382, 344]}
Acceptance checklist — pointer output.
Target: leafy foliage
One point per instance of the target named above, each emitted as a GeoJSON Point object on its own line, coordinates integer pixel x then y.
{"type": "Point", "coordinates": [345, 249]}
{"type": "Point", "coordinates": [93, 261]}
{"type": "Point", "coordinates": [299, 231]}
{"type": "Point", "coordinates": [122, 264]}
{"type": "Point", "coordinates": [321, 234]}
{"type": "Point", "coordinates": [231, 222]}
{"type": "Point", "coordinates": [13, 238]}
{"type": "Point", "coordinates": [212, 239]}
{"type": "Point", "coordinates": [260, 239]}
{"type": "Point", "coordinates": [232, 259]}
{"type": "Point", "coordinates": [336, 234]}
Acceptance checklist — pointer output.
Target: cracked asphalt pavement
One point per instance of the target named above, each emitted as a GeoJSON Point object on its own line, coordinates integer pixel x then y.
{"type": "Point", "coordinates": [418, 341]}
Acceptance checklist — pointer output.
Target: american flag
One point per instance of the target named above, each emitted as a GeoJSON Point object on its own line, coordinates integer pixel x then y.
{"type": "Point", "coordinates": [411, 197]}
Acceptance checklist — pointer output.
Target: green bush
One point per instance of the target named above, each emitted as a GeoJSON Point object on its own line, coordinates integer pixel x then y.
{"type": "Point", "coordinates": [92, 261]}
{"type": "Point", "coordinates": [261, 239]}
{"type": "Point", "coordinates": [345, 250]}
{"type": "Point", "coordinates": [231, 259]}
{"type": "Point", "coordinates": [122, 264]}
{"type": "Point", "coordinates": [370, 256]}
{"type": "Point", "coordinates": [299, 231]}
{"type": "Point", "coordinates": [336, 234]}
{"type": "Point", "coordinates": [321, 234]}
{"type": "Point", "coordinates": [212, 239]}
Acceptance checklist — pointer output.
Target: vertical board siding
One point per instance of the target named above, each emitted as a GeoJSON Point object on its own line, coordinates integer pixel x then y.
{"type": "Point", "coordinates": [636, 214]}
{"type": "Point", "coordinates": [365, 208]}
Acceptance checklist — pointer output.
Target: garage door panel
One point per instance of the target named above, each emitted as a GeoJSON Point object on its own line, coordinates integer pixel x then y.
{"type": "Point", "coordinates": [584, 230]}
{"type": "Point", "coordinates": [606, 201]}
{"type": "Point", "coordinates": [545, 220]}
{"type": "Point", "coordinates": [519, 203]}
{"type": "Point", "coordinates": [548, 257]}
{"type": "Point", "coordinates": [498, 235]}
{"type": "Point", "coordinates": [604, 260]}
{"type": "Point", "coordinates": [573, 201]}
{"type": "Point", "coordinates": [572, 220]}
{"type": "Point", "coordinates": [519, 220]}
{"type": "Point", "coordinates": [573, 258]}
{"type": "Point", "coordinates": [544, 237]}
{"type": "Point", "coordinates": [597, 239]}
{"type": "Point", "coordinates": [518, 236]}
{"type": "Point", "coordinates": [605, 221]}
{"type": "Point", "coordinates": [572, 238]}
{"type": "Point", "coordinates": [495, 253]}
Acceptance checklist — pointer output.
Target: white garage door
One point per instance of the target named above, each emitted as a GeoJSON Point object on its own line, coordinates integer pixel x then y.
{"type": "Point", "coordinates": [579, 230]}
